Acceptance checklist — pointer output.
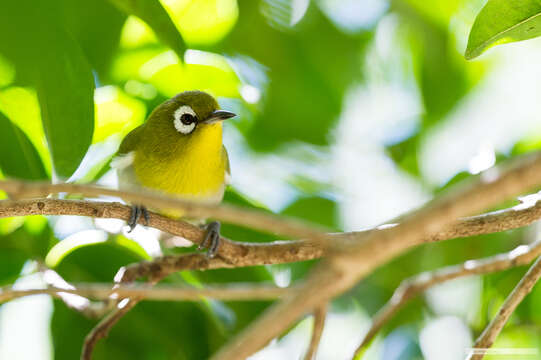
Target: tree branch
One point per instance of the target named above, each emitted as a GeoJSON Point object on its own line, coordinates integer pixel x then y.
{"type": "Point", "coordinates": [236, 253]}
{"type": "Point", "coordinates": [102, 329]}
{"type": "Point", "coordinates": [96, 291]}
{"type": "Point", "coordinates": [317, 331]}
{"type": "Point", "coordinates": [410, 288]}
{"type": "Point", "coordinates": [523, 288]}
{"type": "Point", "coordinates": [230, 253]}
{"type": "Point", "coordinates": [348, 264]}
{"type": "Point", "coordinates": [227, 213]}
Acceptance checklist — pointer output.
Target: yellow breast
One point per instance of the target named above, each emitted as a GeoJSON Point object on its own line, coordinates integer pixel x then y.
{"type": "Point", "coordinates": [194, 168]}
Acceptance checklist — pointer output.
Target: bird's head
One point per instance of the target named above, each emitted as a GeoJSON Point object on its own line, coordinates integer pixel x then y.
{"type": "Point", "coordinates": [188, 111]}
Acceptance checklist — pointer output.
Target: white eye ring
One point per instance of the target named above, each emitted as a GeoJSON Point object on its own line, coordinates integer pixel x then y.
{"type": "Point", "coordinates": [179, 125]}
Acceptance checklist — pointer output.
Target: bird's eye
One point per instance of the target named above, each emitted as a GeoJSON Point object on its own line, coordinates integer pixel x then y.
{"type": "Point", "coordinates": [184, 119]}
{"type": "Point", "coordinates": [187, 119]}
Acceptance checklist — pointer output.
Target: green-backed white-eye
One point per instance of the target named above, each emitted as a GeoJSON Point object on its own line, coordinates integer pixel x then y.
{"type": "Point", "coordinates": [178, 152]}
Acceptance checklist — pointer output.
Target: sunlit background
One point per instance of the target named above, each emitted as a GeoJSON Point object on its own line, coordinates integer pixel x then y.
{"type": "Point", "coordinates": [351, 113]}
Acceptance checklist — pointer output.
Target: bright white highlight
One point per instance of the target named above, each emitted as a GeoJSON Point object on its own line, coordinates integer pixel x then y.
{"type": "Point", "coordinates": [250, 94]}
{"type": "Point", "coordinates": [485, 159]}
{"type": "Point", "coordinates": [183, 128]}
{"type": "Point", "coordinates": [123, 161]}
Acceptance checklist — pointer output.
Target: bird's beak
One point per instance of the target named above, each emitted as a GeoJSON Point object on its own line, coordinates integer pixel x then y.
{"type": "Point", "coordinates": [219, 115]}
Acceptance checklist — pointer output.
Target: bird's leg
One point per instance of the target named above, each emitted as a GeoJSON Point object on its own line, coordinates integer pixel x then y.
{"type": "Point", "coordinates": [212, 239]}
{"type": "Point", "coordinates": [136, 212]}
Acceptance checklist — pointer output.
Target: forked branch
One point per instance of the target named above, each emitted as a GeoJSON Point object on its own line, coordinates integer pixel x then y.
{"type": "Point", "coordinates": [410, 288]}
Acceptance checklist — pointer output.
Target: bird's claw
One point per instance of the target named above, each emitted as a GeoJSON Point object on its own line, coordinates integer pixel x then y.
{"type": "Point", "coordinates": [211, 240]}
{"type": "Point", "coordinates": [136, 212]}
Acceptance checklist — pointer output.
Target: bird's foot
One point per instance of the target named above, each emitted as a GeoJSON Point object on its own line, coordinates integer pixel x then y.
{"type": "Point", "coordinates": [136, 212]}
{"type": "Point", "coordinates": [211, 240]}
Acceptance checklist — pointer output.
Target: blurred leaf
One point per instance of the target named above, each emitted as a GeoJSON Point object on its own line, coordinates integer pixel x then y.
{"type": "Point", "coordinates": [216, 80]}
{"type": "Point", "coordinates": [127, 64]}
{"type": "Point", "coordinates": [203, 22]}
{"type": "Point", "coordinates": [32, 36]}
{"type": "Point", "coordinates": [11, 264]}
{"type": "Point", "coordinates": [137, 34]}
{"type": "Point", "coordinates": [503, 21]}
{"type": "Point", "coordinates": [21, 106]}
{"type": "Point", "coordinates": [24, 161]}
{"type": "Point", "coordinates": [441, 70]}
{"type": "Point", "coordinates": [440, 11]}
{"type": "Point", "coordinates": [92, 251]}
{"type": "Point", "coordinates": [318, 210]}
{"type": "Point", "coordinates": [7, 72]}
{"type": "Point", "coordinates": [531, 142]}
{"type": "Point", "coordinates": [404, 154]}
{"type": "Point", "coordinates": [19, 246]}
{"type": "Point", "coordinates": [153, 13]}
{"type": "Point", "coordinates": [309, 69]}
{"type": "Point", "coordinates": [151, 331]}
{"type": "Point", "coordinates": [96, 26]}
{"type": "Point", "coordinates": [162, 69]}
{"type": "Point", "coordinates": [116, 113]}
{"type": "Point", "coordinates": [244, 311]}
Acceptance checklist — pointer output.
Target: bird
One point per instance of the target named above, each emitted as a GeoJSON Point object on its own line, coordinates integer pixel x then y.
{"type": "Point", "coordinates": [178, 152]}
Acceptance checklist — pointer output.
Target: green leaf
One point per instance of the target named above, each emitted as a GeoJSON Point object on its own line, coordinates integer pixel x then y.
{"type": "Point", "coordinates": [19, 246]}
{"type": "Point", "coordinates": [202, 22]}
{"type": "Point", "coordinates": [46, 55]}
{"type": "Point", "coordinates": [93, 250]}
{"type": "Point", "coordinates": [21, 107]}
{"type": "Point", "coordinates": [96, 25]}
{"type": "Point", "coordinates": [154, 14]}
{"type": "Point", "coordinates": [7, 72]}
{"type": "Point", "coordinates": [23, 161]}
{"type": "Point", "coordinates": [504, 21]}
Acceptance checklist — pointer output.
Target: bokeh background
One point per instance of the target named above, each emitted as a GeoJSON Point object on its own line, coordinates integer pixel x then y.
{"type": "Point", "coordinates": [351, 112]}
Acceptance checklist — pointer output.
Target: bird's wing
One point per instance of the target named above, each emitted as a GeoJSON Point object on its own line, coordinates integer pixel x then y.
{"type": "Point", "coordinates": [131, 140]}
{"type": "Point", "coordinates": [125, 154]}
{"type": "Point", "coordinates": [227, 166]}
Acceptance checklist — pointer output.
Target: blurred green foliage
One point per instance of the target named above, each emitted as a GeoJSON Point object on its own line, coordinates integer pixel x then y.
{"type": "Point", "coordinates": [76, 76]}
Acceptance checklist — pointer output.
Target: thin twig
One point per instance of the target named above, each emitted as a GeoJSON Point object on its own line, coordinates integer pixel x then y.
{"type": "Point", "coordinates": [523, 288]}
{"type": "Point", "coordinates": [317, 330]}
{"type": "Point", "coordinates": [410, 288]}
{"type": "Point", "coordinates": [102, 329]}
{"type": "Point", "coordinates": [348, 264]}
{"type": "Point", "coordinates": [98, 291]}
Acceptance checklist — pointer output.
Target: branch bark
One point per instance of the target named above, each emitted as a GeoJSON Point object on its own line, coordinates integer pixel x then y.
{"type": "Point", "coordinates": [317, 331]}
{"type": "Point", "coordinates": [227, 213]}
{"type": "Point", "coordinates": [237, 254]}
{"type": "Point", "coordinates": [230, 253]}
{"type": "Point", "coordinates": [238, 292]}
{"type": "Point", "coordinates": [347, 265]}
{"type": "Point", "coordinates": [523, 288]}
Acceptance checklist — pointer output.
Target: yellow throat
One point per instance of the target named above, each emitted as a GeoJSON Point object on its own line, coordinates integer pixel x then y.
{"type": "Point", "coordinates": [191, 167]}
